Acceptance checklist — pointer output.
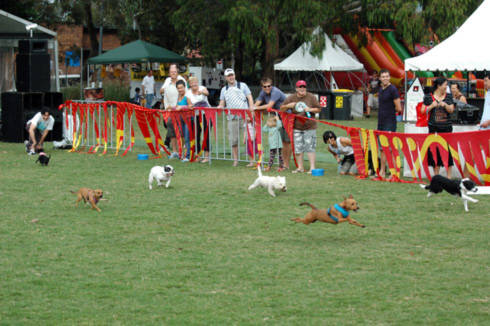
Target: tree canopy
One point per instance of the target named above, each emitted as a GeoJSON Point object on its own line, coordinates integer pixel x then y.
{"type": "Point", "coordinates": [251, 34]}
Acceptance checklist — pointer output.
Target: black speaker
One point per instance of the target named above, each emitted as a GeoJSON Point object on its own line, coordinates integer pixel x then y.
{"type": "Point", "coordinates": [18, 108]}
{"type": "Point", "coordinates": [53, 100]}
{"type": "Point", "coordinates": [33, 46]}
{"type": "Point", "coordinates": [33, 72]}
{"type": "Point", "coordinates": [12, 117]}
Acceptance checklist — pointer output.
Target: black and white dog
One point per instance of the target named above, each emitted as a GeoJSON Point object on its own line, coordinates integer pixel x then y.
{"type": "Point", "coordinates": [161, 173]}
{"type": "Point", "coordinates": [43, 159]}
{"type": "Point", "coordinates": [456, 187]}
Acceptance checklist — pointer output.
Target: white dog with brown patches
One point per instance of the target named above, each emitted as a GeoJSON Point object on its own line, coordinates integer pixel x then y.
{"type": "Point", "coordinates": [271, 183]}
{"type": "Point", "coordinates": [160, 174]}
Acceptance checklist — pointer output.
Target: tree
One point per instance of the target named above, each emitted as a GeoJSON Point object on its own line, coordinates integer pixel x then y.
{"type": "Point", "coordinates": [241, 29]}
{"type": "Point", "coordinates": [82, 12]}
{"type": "Point", "coordinates": [43, 11]}
{"type": "Point", "coordinates": [249, 32]}
{"type": "Point", "coordinates": [414, 21]}
{"type": "Point", "coordinates": [145, 19]}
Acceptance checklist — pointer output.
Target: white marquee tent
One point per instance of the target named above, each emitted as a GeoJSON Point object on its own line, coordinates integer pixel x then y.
{"type": "Point", "coordinates": [467, 49]}
{"type": "Point", "coordinates": [333, 59]}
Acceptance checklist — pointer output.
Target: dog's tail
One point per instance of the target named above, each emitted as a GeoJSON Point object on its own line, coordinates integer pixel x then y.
{"type": "Point", "coordinates": [305, 203]}
{"type": "Point", "coordinates": [73, 192]}
{"type": "Point", "coordinates": [259, 170]}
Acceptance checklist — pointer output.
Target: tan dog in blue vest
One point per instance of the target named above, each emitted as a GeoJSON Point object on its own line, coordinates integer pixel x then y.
{"type": "Point", "coordinates": [335, 214]}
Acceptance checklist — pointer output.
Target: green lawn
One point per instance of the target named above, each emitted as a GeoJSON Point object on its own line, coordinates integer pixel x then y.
{"type": "Point", "coordinates": [208, 252]}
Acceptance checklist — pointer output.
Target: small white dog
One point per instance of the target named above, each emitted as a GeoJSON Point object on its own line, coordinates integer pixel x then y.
{"type": "Point", "coordinates": [161, 173]}
{"type": "Point", "coordinates": [270, 183]}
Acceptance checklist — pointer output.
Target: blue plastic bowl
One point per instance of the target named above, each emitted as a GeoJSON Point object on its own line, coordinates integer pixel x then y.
{"type": "Point", "coordinates": [318, 172]}
{"type": "Point", "coordinates": [142, 157]}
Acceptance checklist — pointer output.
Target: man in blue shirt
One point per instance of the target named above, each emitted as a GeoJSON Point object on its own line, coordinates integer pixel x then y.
{"type": "Point", "coordinates": [271, 96]}
{"type": "Point", "coordinates": [389, 105]}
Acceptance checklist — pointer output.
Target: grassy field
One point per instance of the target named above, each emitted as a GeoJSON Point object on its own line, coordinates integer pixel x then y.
{"type": "Point", "coordinates": [208, 252]}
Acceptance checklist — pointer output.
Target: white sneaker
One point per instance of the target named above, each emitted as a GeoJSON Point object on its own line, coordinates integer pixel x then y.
{"type": "Point", "coordinates": [31, 152]}
{"type": "Point", "coordinates": [174, 155]}
{"type": "Point", "coordinates": [62, 143]}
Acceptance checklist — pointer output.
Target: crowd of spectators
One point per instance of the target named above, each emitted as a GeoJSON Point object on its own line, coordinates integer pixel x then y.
{"type": "Point", "coordinates": [382, 95]}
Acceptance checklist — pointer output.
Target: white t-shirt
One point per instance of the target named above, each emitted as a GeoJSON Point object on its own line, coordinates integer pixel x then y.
{"type": "Point", "coordinates": [170, 93]}
{"type": "Point", "coordinates": [197, 98]}
{"type": "Point", "coordinates": [341, 149]}
{"type": "Point", "coordinates": [486, 110]}
{"type": "Point", "coordinates": [40, 123]}
{"type": "Point", "coordinates": [149, 85]}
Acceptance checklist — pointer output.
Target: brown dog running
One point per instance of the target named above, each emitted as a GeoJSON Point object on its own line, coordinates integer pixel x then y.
{"type": "Point", "coordinates": [336, 214]}
{"type": "Point", "coordinates": [89, 195]}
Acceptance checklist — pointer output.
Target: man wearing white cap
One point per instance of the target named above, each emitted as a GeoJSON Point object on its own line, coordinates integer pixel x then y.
{"type": "Point", "coordinates": [235, 95]}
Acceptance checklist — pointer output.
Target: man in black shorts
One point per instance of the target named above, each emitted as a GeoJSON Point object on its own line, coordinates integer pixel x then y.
{"type": "Point", "coordinates": [389, 105]}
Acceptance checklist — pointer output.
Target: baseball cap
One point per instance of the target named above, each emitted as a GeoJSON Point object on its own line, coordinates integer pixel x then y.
{"type": "Point", "coordinates": [229, 71]}
{"type": "Point", "coordinates": [300, 83]}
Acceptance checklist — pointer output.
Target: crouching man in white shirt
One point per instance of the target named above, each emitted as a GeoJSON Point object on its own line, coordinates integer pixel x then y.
{"type": "Point", "coordinates": [38, 128]}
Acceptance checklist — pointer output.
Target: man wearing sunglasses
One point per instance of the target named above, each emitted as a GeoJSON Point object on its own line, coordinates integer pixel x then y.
{"type": "Point", "coordinates": [272, 97]}
{"type": "Point", "coordinates": [303, 104]}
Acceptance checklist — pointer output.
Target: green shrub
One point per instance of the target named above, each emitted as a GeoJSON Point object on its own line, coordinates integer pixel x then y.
{"type": "Point", "coordinates": [71, 92]}
{"type": "Point", "coordinates": [116, 91]}
{"type": "Point", "coordinates": [113, 91]}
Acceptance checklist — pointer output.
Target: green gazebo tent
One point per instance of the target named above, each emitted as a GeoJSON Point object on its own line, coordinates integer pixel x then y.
{"type": "Point", "coordinates": [137, 52]}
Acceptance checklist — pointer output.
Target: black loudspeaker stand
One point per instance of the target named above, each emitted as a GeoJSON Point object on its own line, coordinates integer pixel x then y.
{"type": "Point", "coordinates": [33, 72]}
{"type": "Point", "coordinates": [19, 107]}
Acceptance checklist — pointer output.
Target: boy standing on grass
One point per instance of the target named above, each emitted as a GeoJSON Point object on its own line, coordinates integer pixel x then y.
{"type": "Point", "coordinates": [273, 127]}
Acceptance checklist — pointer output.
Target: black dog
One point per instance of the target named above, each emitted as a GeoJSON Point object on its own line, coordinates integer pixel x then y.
{"type": "Point", "coordinates": [43, 159]}
{"type": "Point", "coordinates": [456, 187]}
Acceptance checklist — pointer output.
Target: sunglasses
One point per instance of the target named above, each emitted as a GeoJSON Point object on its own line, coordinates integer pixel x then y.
{"type": "Point", "coordinates": [266, 86]}
{"type": "Point", "coordinates": [301, 86]}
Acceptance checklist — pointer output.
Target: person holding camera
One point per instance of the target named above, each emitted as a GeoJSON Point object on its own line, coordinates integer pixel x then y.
{"type": "Point", "coordinates": [438, 106]}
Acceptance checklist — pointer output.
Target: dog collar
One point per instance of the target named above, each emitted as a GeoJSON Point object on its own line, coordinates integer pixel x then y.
{"type": "Point", "coordinates": [341, 210]}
